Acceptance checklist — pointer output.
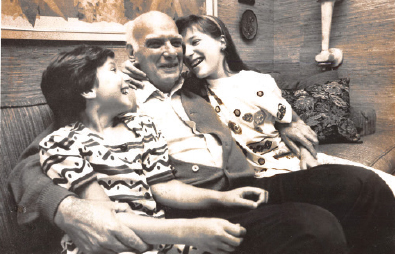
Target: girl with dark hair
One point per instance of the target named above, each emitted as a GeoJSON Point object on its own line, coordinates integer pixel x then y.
{"type": "Point", "coordinates": [110, 152]}
{"type": "Point", "coordinates": [250, 103]}
{"type": "Point", "coordinates": [247, 101]}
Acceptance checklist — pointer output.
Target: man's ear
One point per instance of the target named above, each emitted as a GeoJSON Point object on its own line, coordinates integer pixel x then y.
{"type": "Point", "coordinates": [90, 94]}
{"type": "Point", "coordinates": [129, 49]}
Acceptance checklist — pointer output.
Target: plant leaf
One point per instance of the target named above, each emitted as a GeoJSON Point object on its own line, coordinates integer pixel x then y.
{"type": "Point", "coordinates": [30, 9]}
{"type": "Point", "coordinates": [54, 7]}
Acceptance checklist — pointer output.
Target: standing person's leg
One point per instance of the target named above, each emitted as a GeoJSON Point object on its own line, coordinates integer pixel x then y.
{"type": "Point", "coordinates": [361, 201]}
{"type": "Point", "coordinates": [290, 228]}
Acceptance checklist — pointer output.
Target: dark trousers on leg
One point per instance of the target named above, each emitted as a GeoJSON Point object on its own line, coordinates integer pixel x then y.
{"type": "Point", "coordinates": [329, 209]}
{"type": "Point", "coordinates": [358, 198]}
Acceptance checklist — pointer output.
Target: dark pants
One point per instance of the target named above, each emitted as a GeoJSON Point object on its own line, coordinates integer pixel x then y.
{"type": "Point", "coordinates": [327, 209]}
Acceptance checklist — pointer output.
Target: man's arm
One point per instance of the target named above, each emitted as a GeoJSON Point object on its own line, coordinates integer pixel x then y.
{"type": "Point", "coordinates": [38, 197]}
{"type": "Point", "coordinates": [297, 134]}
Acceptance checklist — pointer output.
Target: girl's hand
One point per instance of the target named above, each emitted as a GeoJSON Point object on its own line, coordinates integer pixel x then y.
{"type": "Point", "coordinates": [307, 160]}
{"type": "Point", "coordinates": [248, 197]}
{"type": "Point", "coordinates": [297, 134]}
{"type": "Point", "coordinates": [214, 235]}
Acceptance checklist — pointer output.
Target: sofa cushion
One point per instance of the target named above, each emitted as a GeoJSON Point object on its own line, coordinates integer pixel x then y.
{"type": "Point", "coordinates": [325, 107]}
{"type": "Point", "coordinates": [377, 151]}
{"type": "Point", "coordinates": [19, 127]}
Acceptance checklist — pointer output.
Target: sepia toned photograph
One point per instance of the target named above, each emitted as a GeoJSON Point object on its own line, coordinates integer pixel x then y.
{"type": "Point", "coordinates": [197, 126]}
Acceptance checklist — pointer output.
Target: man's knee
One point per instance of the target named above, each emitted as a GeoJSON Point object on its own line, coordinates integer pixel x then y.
{"type": "Point", "coordinates": [371, 184]}
{"type": "Point", "coordinates": [356, 182]}
{"type": "Point", "coordinates": [295, 228]}
{"type": "Point", "coordinates": [317, 228]}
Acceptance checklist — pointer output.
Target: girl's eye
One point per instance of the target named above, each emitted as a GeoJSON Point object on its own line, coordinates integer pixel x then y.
{"type": "Point", "coordinates": [195, 42]}
{"type": "Point", "coordinates": [114, 69]}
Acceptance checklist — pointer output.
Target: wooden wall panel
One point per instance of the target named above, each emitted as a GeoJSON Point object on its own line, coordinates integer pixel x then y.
{"type": "Point", "coordinates": [363, 29]}
{"type": "Point", "coordinates": [288, 38]}
{"type": "Point", "coordinates": [259, 51]}
{"type": "Point", "coordinates": [23, 62]}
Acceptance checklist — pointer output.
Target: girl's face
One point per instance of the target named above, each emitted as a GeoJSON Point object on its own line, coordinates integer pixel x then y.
{"type": "Point", "coordinates": [203, 55]}
{"type": "Point", "coordinates": [112, 93]}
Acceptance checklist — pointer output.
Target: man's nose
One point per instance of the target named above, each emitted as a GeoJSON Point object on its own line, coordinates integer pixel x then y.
{"type": "Point", "coordinates": [170, 50]}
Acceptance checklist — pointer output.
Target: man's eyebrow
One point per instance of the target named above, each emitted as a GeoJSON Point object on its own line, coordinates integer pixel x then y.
{"type": "Point", "coordinates": [163, 37]}
{"type": "Point", "coordinates": [154, 39]}
{"type": "Point", "coordinates": [179, 36]}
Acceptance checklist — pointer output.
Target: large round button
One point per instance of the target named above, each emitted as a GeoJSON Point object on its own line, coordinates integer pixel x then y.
{"type": "Point", "coordinates": [195, 168]}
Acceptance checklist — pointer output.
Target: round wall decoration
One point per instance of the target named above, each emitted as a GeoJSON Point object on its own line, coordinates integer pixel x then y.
{"type": "Point", "coordinates": [248, 25]}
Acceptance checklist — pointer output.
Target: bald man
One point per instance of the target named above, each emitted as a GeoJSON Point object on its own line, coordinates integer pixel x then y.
{"type": "Point", "coordinates": [326, 210]}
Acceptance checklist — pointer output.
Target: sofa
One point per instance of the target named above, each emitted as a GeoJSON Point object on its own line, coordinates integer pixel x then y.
{"type": "Point", "coordinates": [21, 123]}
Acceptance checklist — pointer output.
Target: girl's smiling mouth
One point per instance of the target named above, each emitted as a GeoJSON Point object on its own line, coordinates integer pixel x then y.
{"type": "Point", "coordinates": [196, 62]}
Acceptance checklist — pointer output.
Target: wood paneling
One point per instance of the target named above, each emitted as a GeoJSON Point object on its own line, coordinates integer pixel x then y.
{"type": "Point", "coordinates": [363, 29]}
{"type": "Point", "coordinates": [23, 62]}
{"type": "Point", "coordinates": [19, 127]}
{"type": "Point", "coordinates": [259, 51]}
{"type": "Point", "coordinates": [288, 38]}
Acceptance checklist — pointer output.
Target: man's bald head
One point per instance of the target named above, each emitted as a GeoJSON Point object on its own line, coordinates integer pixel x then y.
{"type": "Point", "coordinates": [144, 23]}
{"type": "Point", "coordinates": [154, 42]}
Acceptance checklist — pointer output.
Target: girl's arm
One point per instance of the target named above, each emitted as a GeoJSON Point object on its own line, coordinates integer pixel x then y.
{"type": "Point", "coordinates": [92, 191]}
{"type": "Point", "coordinates": [207, 234]}
{"type": "Point", "coordinates": [179, 195]}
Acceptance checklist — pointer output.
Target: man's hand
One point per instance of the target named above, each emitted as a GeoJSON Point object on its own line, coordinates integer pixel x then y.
{"type": "Point", "coordinates": [248, 197]}
{"type": "Point", "coordinates": [298, 134]}
{"type": "Point", "coordinates": [214, 235]}
{"type": "Point", "coordinates": [93, 227]}
{"type": "Point", "coordinates": [306, 159]}
{"type": "Point", "coordinates": [134, 76]}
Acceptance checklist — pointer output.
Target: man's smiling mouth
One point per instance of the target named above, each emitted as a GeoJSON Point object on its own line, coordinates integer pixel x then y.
{"type": "Point", "coordinates": [169, 65]}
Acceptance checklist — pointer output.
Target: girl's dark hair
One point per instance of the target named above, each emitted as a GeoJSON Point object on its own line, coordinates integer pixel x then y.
{"type": "Point", "coordinates": [69, 75]}
{"type": "Point", "coordinates": [214, 27]}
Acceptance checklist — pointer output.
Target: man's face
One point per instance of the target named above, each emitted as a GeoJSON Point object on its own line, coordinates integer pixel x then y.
{"type": "Point", "coordinates": [160, 52]}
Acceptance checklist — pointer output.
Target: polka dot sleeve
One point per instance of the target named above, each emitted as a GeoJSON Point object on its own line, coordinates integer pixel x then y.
{"type": "Point", "coordinates": [267, 96]}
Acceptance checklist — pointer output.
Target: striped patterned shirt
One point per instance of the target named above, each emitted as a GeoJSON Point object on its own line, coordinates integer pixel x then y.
{"type": "Point", "coordinates": [73, 156]}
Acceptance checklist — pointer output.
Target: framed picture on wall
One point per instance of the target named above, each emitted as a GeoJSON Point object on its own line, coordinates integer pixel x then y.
{"type": "Point", "coordinates": [93, 20]}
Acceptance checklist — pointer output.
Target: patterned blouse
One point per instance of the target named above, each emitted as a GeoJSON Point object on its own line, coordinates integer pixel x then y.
{"type": "Point", "coordinates": [250, 103]}
{"type": "Point", "coordinates": [73, 156]}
